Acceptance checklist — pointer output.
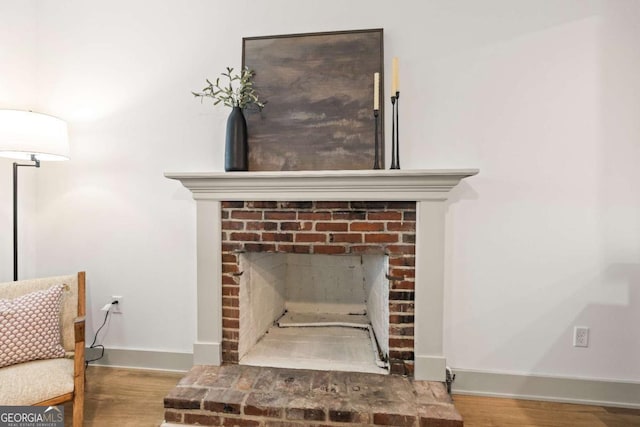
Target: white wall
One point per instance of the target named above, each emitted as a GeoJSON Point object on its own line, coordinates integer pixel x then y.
{"type": "Point", "coordinates": [17, 91]}
{"type": "Point", "coordinates": [541, 96]}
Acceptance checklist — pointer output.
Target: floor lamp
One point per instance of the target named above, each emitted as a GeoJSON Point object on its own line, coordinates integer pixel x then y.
{"type": "Point", "coordinates": [32, 137]}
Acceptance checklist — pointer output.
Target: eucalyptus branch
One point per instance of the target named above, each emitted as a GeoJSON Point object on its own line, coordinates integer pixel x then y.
{"type": "Point", "coordinates": [238, 93]}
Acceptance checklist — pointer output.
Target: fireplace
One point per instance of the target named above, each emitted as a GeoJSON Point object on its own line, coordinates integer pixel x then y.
{"type": "Point", "coordinates": [328, 258]}
{"type": "Point", "coordinates": [396, 215]}
{"type": "Point", "coordinates": [314, 311]}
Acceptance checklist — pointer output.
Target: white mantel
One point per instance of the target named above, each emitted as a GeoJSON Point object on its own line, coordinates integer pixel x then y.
{"type": "Point", "coordinates": [323, 185]}
{"type": "Point", "coordinates": [429, 188]}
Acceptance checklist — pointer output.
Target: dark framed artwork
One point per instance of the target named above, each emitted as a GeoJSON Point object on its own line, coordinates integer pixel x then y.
{"type": "Point", "coordinates": [318, 89]}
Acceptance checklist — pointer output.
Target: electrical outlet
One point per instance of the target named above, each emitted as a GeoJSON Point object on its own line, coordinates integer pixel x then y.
{"type": "Point", "coordinates": [116, 308]}
{"type": "Point", "coordinates": [581, 336]}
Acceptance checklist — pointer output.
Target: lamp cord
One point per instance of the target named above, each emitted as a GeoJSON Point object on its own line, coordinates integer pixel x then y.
{"type": "Point", "coordinates": [95, 338]}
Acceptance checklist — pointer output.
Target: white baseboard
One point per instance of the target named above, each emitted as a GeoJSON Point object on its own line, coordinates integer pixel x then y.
{"type": "Point", "coordinates": [143, 359]}
{"type": "Point", "coordinates": [548, 388]}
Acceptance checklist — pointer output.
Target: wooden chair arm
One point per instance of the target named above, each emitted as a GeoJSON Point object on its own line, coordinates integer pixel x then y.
{"type": "Point", "coordinates": [78, 328]}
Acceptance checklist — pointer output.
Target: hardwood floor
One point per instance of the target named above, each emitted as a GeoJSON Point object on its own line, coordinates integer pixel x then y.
{"type": "Point", "coordinates": [124, 397]}
{"type": "Point", "coordinates": [134, 398]}
{"type": "Point", "coordinates": [497, 412]}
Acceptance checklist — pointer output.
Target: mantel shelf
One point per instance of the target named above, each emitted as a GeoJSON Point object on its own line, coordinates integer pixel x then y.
{"type": "Point", "coordinates": [323, 185]}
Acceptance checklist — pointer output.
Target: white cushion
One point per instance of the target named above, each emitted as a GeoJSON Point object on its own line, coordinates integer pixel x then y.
{"type": "Point", "coordinates": [33, 382]}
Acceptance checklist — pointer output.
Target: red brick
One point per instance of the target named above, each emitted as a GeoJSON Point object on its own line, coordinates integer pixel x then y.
{"type": "Point", "coordinates": [384, 215]}
{"type": "Point", "coordinates": [296, 226]}
{"type": "Point", "coordinates": [405, 272]}
{"type": "Point", "coordinates": [230, 302]}
{"type": "Point", "coordinates": [237, 422]}
{"type": "Point", "coordinates": [401, 295]}
{"type": "Point", "coordinates": [246, 214]}
{"type": "Point", "coordinates": [185, 398]}
{"type": "Point", "coordinates": [171, 416]}
{"type": "Point", "coordinates": [397, 367]}
{"type": "Point", "coordinates": [409, 216]}
{"type": "Point", "coordinates": [230, 247]}
{"type": "Point", "coordinates": [380, 238]}
{"type": "Point", "coordinates": [230, 356]}
{"type": "Point", "coordinates": [229, 345]}
{"type": "Point", "coordinates": [296, 205]}
{"type": "Point", "coordinates": [346, 238]}
{"type": "Point", "coordinates": [287, 215]}
{"type": "Point", "coordinates": [402, 261]}
{"type": "Point", "coordinates": [401, 205]}
{"type": "Point", "coordinates": [398, 319]}
{"type": "Point", "coordinates": [232, 225]}
{"type": "Point", "coordinates": [229, 268]}
{"type": "Point", "coordinates": [394, 420]}
{"type": "Point", "coordinates": [315, 216]}
{"type": "Point", "coordinates": [332, 205]}
{"type": "Point", "coordinates": [230, 334]}
{"type": "Point", "coordinates": [262, 225]}
{"type": "Point", "coordinates": [401, 226]}
{"type": "Point", "coordinates": [231, 323]}
{"type": "Point", "coordinates": [401, 343]}
{"type": "Point", "coordinates": [345, 416]}
{"type": "Point", "coordinates": [230, 290]}
{"type": "Point", "coordinates": [401, 331]}
{"type": "Point", "coordinates": [202, 419]}
{"type": "Point", "coordinates": [262, 204]}
{"type": "Point", "coordinates": [260, 247]}
{"type": "Point", "coordinates": [408, 238]}
{"type": "Point", "coordinates": [329, 250]}
{"type": "Point", "coordinates": [349, 215]}
{"type": "Point", "coordinates": [439, 416]}
{"type": "Point", "coordinates": [245, 237]}
{"type": "Point", "coordinates": [227, 205]}
{"type": "Point", "coordinates": [332, 226]}
{"type": "Point", "coordinates": [277, 237]}
{"type": "Point", "coordinates": [369, 205]}
{"type": "Point", "coordinates": [367, 249]}
{"type": "Point", "coordinates": [401, 307]}
{"type": "Point", "coordinates": [301, 249]}
{"type": "Point", "coordinates": [310, 237]}
{"type": "Point", "coordinates": [366, 226]}
{"type": "Point", "coordinates": [402, 249]}
{"type": "Point", "coordinates": [230, 312]}
{"type": "Point", "coordinates": [401, 354]}
{"type": "Point", "coordinates": [403, 285]}
{"type": "Point", "coordinates": [229, 258]}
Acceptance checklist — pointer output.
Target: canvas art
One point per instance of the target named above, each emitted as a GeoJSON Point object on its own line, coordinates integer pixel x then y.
{"type": "Point", "coordinates": [319, 95]}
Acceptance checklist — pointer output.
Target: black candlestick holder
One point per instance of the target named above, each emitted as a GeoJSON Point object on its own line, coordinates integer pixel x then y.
{"type": "Point", "coordinates": [395, 131]}
{"type": "Point", "coordinates": [376, 160]}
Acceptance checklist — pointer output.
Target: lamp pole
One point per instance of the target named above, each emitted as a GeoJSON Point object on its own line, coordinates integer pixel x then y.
{"type": "Point", "coordinates": [15, 211]}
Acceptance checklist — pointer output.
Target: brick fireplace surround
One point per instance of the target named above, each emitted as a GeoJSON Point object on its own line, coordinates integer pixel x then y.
{"type": "Point", "coordinates": [324, 227]}
{"type": "Point", "coordinates": [393, 212]}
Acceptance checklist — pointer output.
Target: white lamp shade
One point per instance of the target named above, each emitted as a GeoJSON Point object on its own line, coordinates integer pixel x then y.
{"type": "Point", "coordinates": [24, 133]}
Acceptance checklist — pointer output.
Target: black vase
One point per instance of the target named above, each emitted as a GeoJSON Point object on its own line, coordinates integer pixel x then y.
{"type": "Point", "coordinates": [236, 151]}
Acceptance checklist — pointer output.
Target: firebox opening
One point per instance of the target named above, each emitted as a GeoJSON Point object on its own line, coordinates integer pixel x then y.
{"type": "Point", "coordinates": [328, 312]}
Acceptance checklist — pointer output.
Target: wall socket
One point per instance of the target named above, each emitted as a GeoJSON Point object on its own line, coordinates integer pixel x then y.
{"type": "Point", "coordinates": [116, 308]}
{"type": "Point", "coordinates": [580, 336]}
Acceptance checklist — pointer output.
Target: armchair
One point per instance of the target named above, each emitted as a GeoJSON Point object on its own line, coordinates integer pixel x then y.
{"type": "Point", "coordinates": [44, 381]}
